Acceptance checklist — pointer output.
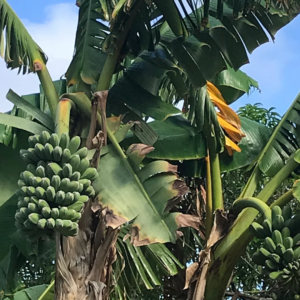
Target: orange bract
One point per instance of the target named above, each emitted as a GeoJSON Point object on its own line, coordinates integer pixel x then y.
{"type": "Point", "coordinates": [227, 118]}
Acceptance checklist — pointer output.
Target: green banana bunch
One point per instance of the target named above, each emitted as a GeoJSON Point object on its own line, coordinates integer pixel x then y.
{"type": "Point", "coordinates": [54, 186]}
{"type": "Point", "coordinates": [280, 254]}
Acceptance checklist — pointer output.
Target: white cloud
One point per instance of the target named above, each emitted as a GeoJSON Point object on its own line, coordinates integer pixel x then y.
{"type": "Point", "coordinates": [56, 36]}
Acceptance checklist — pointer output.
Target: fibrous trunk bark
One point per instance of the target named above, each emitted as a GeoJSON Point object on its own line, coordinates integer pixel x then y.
{"type": "Point", "coordinates": [84, 262]}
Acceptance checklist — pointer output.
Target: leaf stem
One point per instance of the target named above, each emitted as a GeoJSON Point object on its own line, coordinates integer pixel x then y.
{"type": "Point", "coordinates": [209, 201]}
{"type": "Point", "coordinates": [48, 87]}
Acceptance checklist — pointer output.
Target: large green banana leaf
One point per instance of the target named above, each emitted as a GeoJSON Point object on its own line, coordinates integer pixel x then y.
{"type": "Point", "coordinates": [16, 45]}
{"type": "Point", "coordinates": [178, 140]}
{"type": "Point", "coordinates": [141, 196]}
{"type": "Point", "coordinates": [89, 58]}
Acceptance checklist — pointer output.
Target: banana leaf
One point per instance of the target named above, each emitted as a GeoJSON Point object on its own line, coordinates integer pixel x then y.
{"type": "Point", "coordinates": [16, 44]}
{"type": "Point", "coordinates": [141, 196]}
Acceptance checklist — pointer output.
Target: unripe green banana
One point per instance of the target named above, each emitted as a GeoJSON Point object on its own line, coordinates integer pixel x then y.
{"type": "Point", "coordinates": [55, 213]}
{"type": "Point", "coordinates": [267, 225]}
{"type": "Point", "coordinates": [288, 242]}
{"type": "Point", "coordinates": [22, 203]}
{"type": "Point", "coordinates": [76, 196]}
{"type": "Point", "coordinates": [44, 137]}
{"type": "Point", "coordinates": [64, 141]}
{"type": "Point", "coordinates": [297, 253]}
{"type": "Point", "coordinates": [269, 244]}
{"type": "Point", "coordinates": [21, 183]}
{"type": "Point", "coordinates": [54, 140]}
{"type": "Point", "coordinates": [86, 183]}
{"type": "Point", "coordinates": [69, 199]}
{"type": "Point", "coordinates": [90, 192]}
{"type": "Point", "coordinates": [75, 162]}
{"type": "Point", "coordinates": [48, 151]}
{"type": "Point", "coordinates": [36, 181]}
{"type": "Point", "coordinates": [31, 142]}
{"type": "Point", "coordinates": [276, 211]}
{"type": "Point", "coordinates": [276, 275]}
{"type": "Point", "coordinates": [28, 224]}
{"type": "Point", "coordinates": [296, 240]}
{"type": "Point", "coordinates": [46, 212]}
{"type": "Point", "coordinates": [66, 156]}
{"type": "Point", "coordinates": [34, 218]}
{"type": "Point", "coordinates": [275, 258]}
{"type": "Point", "coordinates": [271, 265]}
{"type": "Point", "coordinates": [50, 194]}
{"type": "Point", "coordinates": [280, 249]}
{"type": "Point", "coordinates": [33, 155]}
{"type": "Point", "coordinates": [34, 199]}
{"type": "Point", "coordinates": [264, 252]}
{"type": "Point", "coordinates": [277, 237]}
{"type": "Point", "coordinates": [288, 255]}
{"type": "Point", "coordinates": [287, 212]}
{"type": "Point", "coordinates": [42, 223]}
{"type": "Point", "coordinates": [59, 224]}
{"type": "Point", "coordinates": [40, 171]}
{"type": "Point", "coordinates": [42, 204]}
{"type": "Point", "coordinates": [57, 154]}
{"type": "Point", "coordinates": [92, 174]}
{"type": "Point", "coordinates": [53, 169]}
{"type": "Point", "coordinates": [26, 158]}
{"type": "Point", "coordinates": [286, 271]}
{"type": "Point", "coordinates": [258, 231]}
{"type": "Point", "coordinates": [278, 222]}
{"type": "Point", "coordinates": [33, 208]}
{"type": "Point", "coordinates": [64, 184]}
{"type": "Point", "coordinates": [56, 182]}
{"type": "Point", "coordinates": [83, 152]}
{"type": "Point", "coordinates": [75, 176]}
{"type": "Point", "coordinates": [59, 197]}
{"type": "Point", "coordinates": [30, 191]}
{"type": "Point", "coordinates": [63, 211]}
{"type": "Point", "coordinates": [50, 223]}
{"type": "Point", "coordinates": [84, 165]}
{"type": "Point", "coordinates": [73, 186]}
{"type": "Point", "coordinates": [31, 168]}
{"type": "Point", "coordinates": [26, 175]}
{"type": "Point", "coordinates": [67, 171]}
{"type": "Point", "coordinates": [80, 187]}
{"type": "Point", "coordinates": [39, 152]}
{"type": "Point", "coordinates": [77, 206]}
{"type": "Point", "coordinates": [285, 232]}
{"type": "Point", "coordinates": [42, 163]}
{"type": "Point", "coordinates": [40, 193]}
{"type": "Point", "coordinates": [74, 144]}
{"type": "Point", "coordinates": [45, 183]}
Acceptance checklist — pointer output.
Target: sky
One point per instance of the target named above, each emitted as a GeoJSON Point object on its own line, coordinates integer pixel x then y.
{"type": "Point", "coordinates": [52, 24]}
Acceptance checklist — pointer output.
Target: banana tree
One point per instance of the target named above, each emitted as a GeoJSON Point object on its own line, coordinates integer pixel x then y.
{"type": "Point", "coordinates": [107, 206]}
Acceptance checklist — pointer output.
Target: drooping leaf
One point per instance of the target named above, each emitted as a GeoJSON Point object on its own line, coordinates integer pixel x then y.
{"type": "Point", "coordinates": [233, 84]}
{"type": "Point", "coordinates": [30, 109]}
{"type": "Point", "coordinates": [18, 48]}
{"type": "Point", "coordinates": [22, 123]}
{"type": "Point", "coordinates": [141, 196]}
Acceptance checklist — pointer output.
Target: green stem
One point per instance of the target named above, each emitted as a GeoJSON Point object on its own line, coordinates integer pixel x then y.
{"type": "Point", "coordinates": [209, 201]}
{"type": "Point", "coordinates": [50, 286]}
{"type": "Point", "coordinates": [275, 182]}
{"type": "Point", "coordinates": [284, 199]}
{"type": "Point", "coordinates": [216, 183]}
{"type": "Point", "coordinates": [112, 59]}
{"type": "Point", "coordinates": [49, 89]}
{"type": "Point", "coordinates": [62, 119]}
{"type": "Point", "coordinates": [252, 183]}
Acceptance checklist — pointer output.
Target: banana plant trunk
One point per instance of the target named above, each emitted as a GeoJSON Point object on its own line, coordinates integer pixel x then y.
{"type": "Point", "coordinates": [84, 262]}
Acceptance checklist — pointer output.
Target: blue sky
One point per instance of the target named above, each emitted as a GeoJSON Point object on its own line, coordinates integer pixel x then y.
{"type": "Point", "coordinates": [52, 24]}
